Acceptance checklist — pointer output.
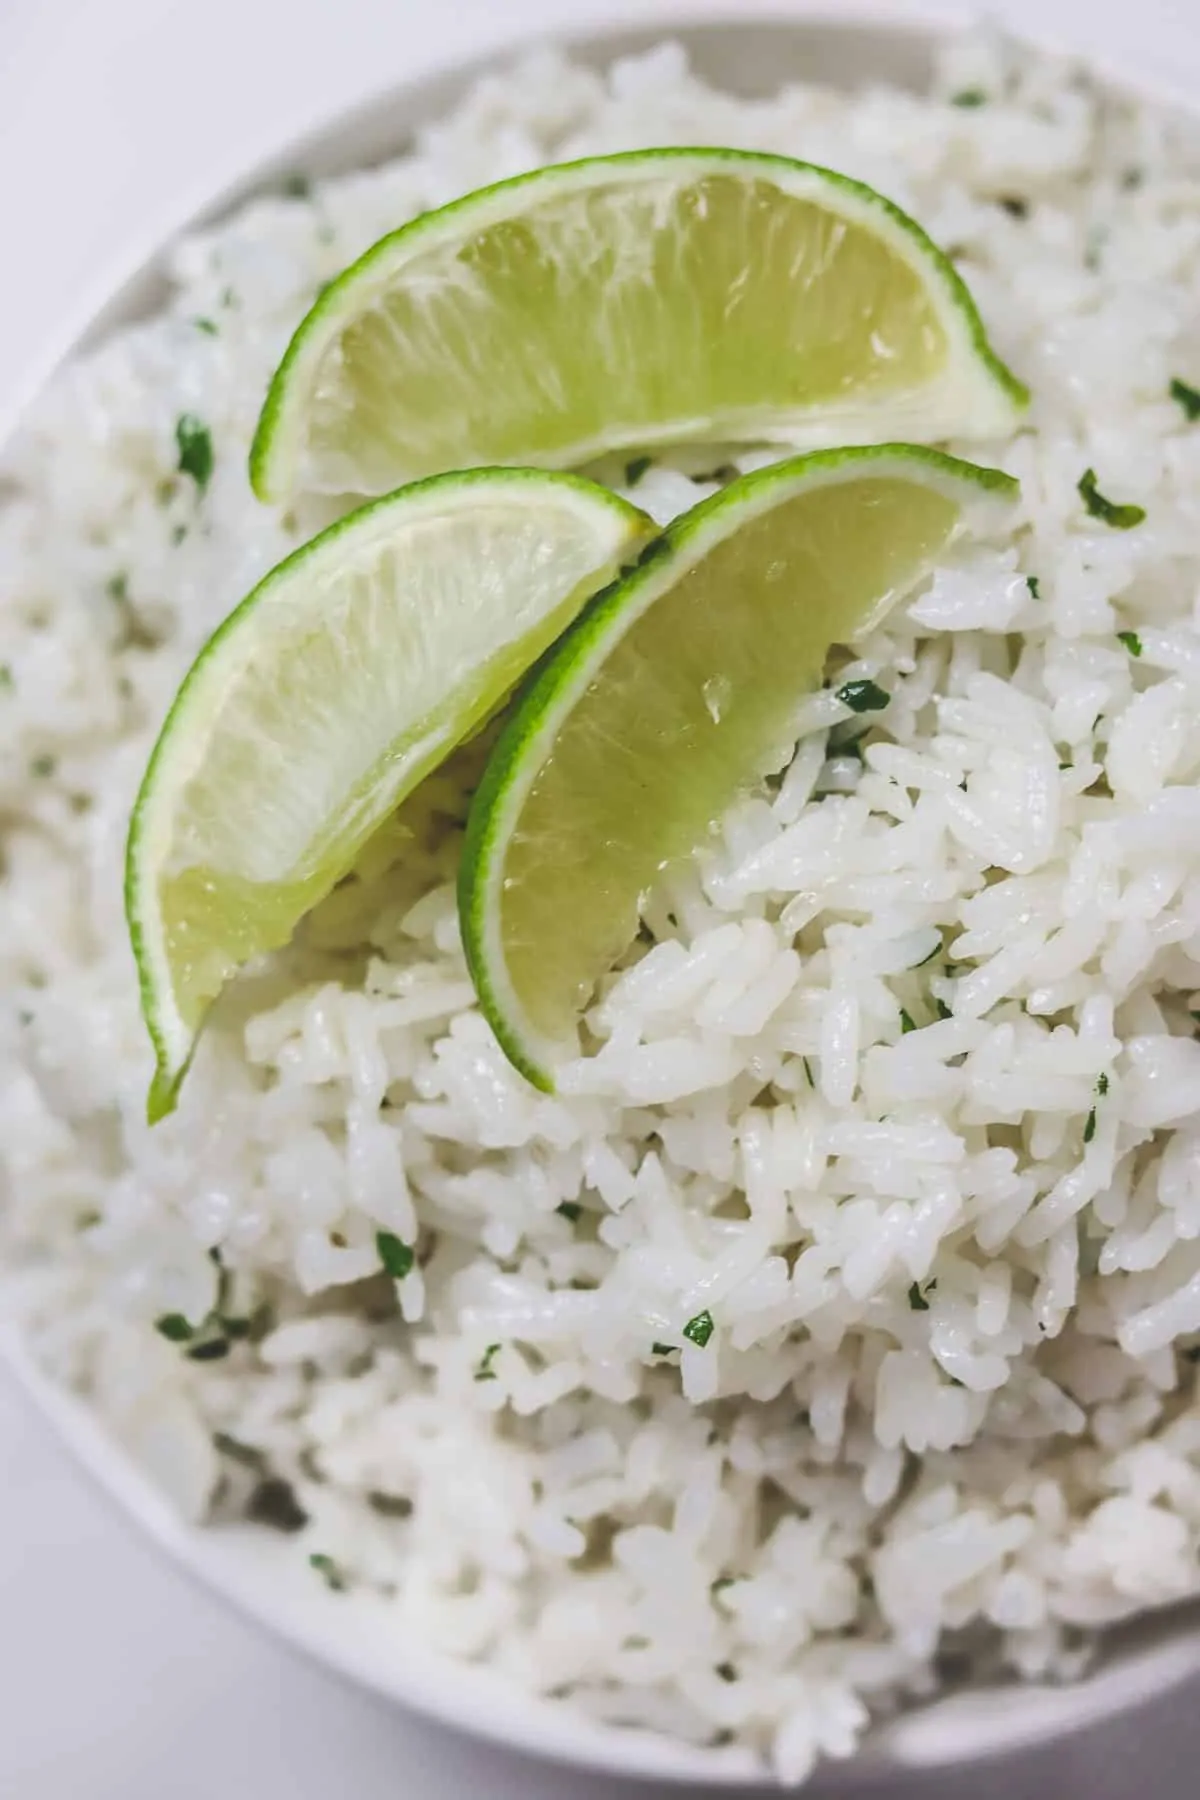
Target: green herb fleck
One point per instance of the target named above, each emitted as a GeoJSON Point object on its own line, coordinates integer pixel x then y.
{"type": "Point", "coordinates": [635, 469]}
{"type": "Point", "coordinates": [1089, 1129]}
{"type": "Point", "coordinates": [916, 1299]}
{"type": "Point", "coordinates": [297, 186]}
{"type": "Point", "coordinates": [1034, 586]}
{"type": "Point", "coordinates": [211, 1350]}
{"type": "Point", "coordinates": [969, 97]}
{"type": "Point", "coordinates": [808, 1074]}
{"type": "Point", "coordinates": [390, 1506]}
{"type": "Point", "coordinates": [178, 533]}
{"type": "Point", "coordinates": [396, 1257]}
{"type": "Point", "coordinates": [117, 588]}
{"type": "Point", "coordinates": [721, 1583]}
{"type": "Point", "coordinates": [274, 1503]}
{"type": "Point", "coordinates": [1120, 517]}
{"type": "Point", "coordinates": [325, 1566]}
{"type": "Point", "coordinates": [662, 1349]}
{"type": "Point", "coordinates": [42, 766]}
{"type": "Point", "coordinates": [195, 449]}
{"type": "Point", "coordinates": [174, 1327]}
{"type": "Point", "coordinates": [863, 696]}
{"type": "Point", "coordinates": [1188, 398]}
{"type": "Point", "coordinates": [571, 1211]}
{"type": "Point", "coordinates": [7, 683]}
{"type": "Point", "coordinates": [229, 297]}
{"type": "Point", "coordinates": [726, 1671]}
{"type": "Point", "coordinates": [485, 1371]}
{"type": "Point", "coordinates": [1015, 205]}
{"type": "Point", "coordinates": [936, 951]}
{"type": "Point", "coordinates": [1131, 641]}
{"type": "Point", "coordinates": [1102, 1085]}
{"type": "Point", "coordinates": [207, 326]}
{"type": "Point", "coordinates": [943, 1011]}
{"type": "Point", "coordinates": [700, 1329]}
{"type": "Point", "coordinates": [906, 1023]}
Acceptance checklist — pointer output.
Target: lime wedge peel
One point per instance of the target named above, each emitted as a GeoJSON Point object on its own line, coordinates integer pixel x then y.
{"type": "Point", "coordinates": [634, 300]}
{"type": "Point", "coordinates": [672, 693]}
{"type": "Point", "coordinates": [341, 680]}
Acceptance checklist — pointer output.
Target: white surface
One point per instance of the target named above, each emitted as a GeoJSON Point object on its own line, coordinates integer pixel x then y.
{"type": "Point", "coordinates": [118, 1679]}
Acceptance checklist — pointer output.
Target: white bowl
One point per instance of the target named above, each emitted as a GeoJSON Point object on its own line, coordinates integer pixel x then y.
{"type": "Point", "coordinates": [357, 1635]}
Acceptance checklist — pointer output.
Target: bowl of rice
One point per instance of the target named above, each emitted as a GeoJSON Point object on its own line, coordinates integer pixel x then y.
{"type": "Point", "coordinates": [908, 1077]}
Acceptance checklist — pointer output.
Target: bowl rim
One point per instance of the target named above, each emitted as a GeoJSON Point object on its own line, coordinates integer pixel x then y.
{"type": "Point", "coordinates": [350, 1636]}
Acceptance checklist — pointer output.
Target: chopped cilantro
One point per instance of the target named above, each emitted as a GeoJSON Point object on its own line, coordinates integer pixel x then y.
{"type": "Point", "coordinates": [721, 1583]}
{"type": "Point", "coordinates": [297, 186]}
{"type": "Point", "coordinates": [726, 1671]}
{"type": "Point", "coordinates": [571, 1211]}
{"type": "Point", "coordinates": [1014, 205]}
{"type": "Point", "coordinates": [1102, 1085]}
{"type": "Point", "coordinates": [396, 1257]}
{"type": "Point", "coordinates": [943, 1011]}
{"type": "Point", "coordinates": [700, 1329]}
{"type": "Point", "coordinates": [174, 1327]}
{"type": "Point", "coordinates": [1187, 397]}
{"type": "Point", "coordinates": [1131, 641]}
{"type": "Point", "coordinates": [662, 1349]}
{"type": "Point", "coordinates": [1120, 517]}
{"type": "Point", "coordinates": [211, 1350]}
{"type": "Point", "coordinates": [863, 696]}
{"type": "Point", "coordinates": [6, 678]}
{"type": "Point", "coordinates": [117, 588]}
{"type": "Point", "coordinates": [936, 951]}
{"type": "Point", "coordinates": [206, 326]}
{"type": "Point", "coordinates": [635, 469]}
{"type": "Point", "coordinates": [195, 449]}
{"type": "Point", "coordinates": [916, 1299]}
{"type": "Point", "coordinates": [325, 1566]}
{"type": "Point", "coordinates": [906, 1023]}
{"type": "Point", "coordinates": [808, 1074]}
{"type": "Point", "coordinates": [1034, 586]}
{"type": "Point", "coordinates": [1089, 1129]}
{"type": "Point", "coordinates": [274, 1503]}
{"type": "Point", "coordinates": [178, 533]}
{"type": "Point", "coordinates": [969, 98]}
{"type": "Point", "coordinates": [42, 766]}
{"type": "Point", "coordinates": [485, 1371]}
{"type": "Point", "coordinates": [390, 1506]}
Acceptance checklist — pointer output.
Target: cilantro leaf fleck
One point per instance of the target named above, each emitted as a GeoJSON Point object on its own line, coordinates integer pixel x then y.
{"type": "Point", "coordinates": [700, 1329]}
{"type": "Point", "coordinates": [863, 696]}
{"type": "Point", "coordinates": [1186, 397]}
{"type": "Point", "coordinates": [397, 1257]}
{"type": "Point", "coordinates": [194, 443]}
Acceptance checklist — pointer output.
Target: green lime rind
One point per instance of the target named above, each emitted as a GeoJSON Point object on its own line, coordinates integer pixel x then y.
{"type": "Point", "coordinates": [998, 396]}
{"type": "Point", "coordinates": [619, 530]}
{"type": "Point", "coordinates": [569, 671]}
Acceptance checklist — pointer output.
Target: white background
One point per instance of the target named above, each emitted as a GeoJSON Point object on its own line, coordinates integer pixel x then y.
{"type": "Point", "coordinates": [118, 1680]}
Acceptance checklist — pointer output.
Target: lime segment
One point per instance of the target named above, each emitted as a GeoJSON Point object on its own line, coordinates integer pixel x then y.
{"type": "Point", "coordinates": [348, 674]}
{"type": "Point", "coordinates": [675, 690]}
{"type": "Point", "coordinates": [631, 300]}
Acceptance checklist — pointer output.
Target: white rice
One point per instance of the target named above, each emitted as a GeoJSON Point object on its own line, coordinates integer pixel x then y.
{"type": "Point", "coordinates": [953, 1272]}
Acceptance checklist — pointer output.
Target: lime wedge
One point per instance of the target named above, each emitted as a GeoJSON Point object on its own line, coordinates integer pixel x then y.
{"type": "Point", "coordinates": [350, 672]}
{"type": "Point", "coordinates": [676, 689]}
{"type": "Point", "coordinates": [628, 301]}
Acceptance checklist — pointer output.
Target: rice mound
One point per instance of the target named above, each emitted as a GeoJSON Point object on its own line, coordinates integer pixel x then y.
{"type": "Point", "coordinates": [895, 1102]}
